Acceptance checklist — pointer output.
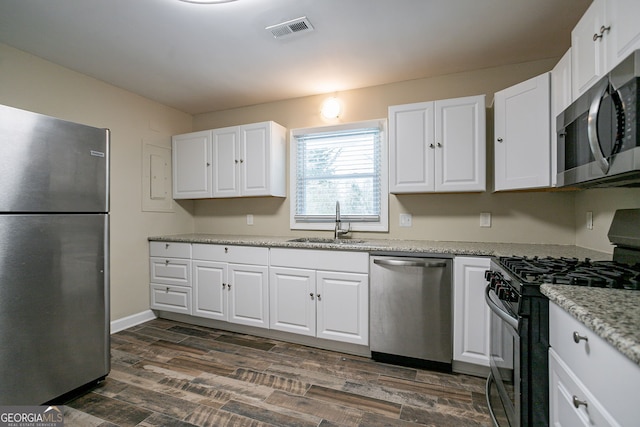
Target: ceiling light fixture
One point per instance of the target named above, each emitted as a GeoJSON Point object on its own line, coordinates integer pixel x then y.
{"type": "Point", "coordinates": [207, 1]}
{"type": "Point", "coordinates": [331, 108]}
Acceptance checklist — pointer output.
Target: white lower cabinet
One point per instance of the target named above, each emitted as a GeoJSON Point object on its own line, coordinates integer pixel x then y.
{"type": "Point", "coordinates": [590, 382]}
{"type": "Point", "coordinates": [471, 315]}
{"type": "Point", "coordinates": [231, 283]}
{"type": "Point", "coordinates": [309, 300]}
{"type": "Point", "coordinates": [170, 277]}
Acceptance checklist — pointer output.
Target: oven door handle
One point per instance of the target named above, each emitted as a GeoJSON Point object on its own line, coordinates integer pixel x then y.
{"type": "Point", "coordinates": [509, 320]}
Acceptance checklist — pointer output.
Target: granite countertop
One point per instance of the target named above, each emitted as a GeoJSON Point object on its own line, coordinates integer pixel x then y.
{"type": "Point", "coordinates": [613, 314]}
{"type": "Point", "coordinates": [408, 246]}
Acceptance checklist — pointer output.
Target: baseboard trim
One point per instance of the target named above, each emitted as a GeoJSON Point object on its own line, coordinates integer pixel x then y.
{"type": "Point", "coordinates": [133, 320]}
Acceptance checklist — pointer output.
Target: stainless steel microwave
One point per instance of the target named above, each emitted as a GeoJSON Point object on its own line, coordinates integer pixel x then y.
{"type": "Point", "coordinates": [599, 133]}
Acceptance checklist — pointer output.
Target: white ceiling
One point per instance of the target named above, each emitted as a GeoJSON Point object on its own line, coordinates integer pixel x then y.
{"type": "Point", "coordinates": [202, 58]}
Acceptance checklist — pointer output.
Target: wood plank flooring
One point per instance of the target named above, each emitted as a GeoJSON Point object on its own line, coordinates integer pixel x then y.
{"type": "Point", "coordinates": [166, 373]}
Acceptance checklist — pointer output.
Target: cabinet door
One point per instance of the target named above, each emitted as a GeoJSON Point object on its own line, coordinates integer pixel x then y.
{"type": "Point", "coordinates": [523, 147]}
{"type": "Point", "coordinates": [460, 141]}
{"type": "Point", "coordinates": [210, 289]}
{"type": "Point", "coordinates": [254, 159]}
{"type": "Point", "coordinates": [191, 158]}
{"type": "Point", "coordinates": [226, 160]}
{"type": "Point", "coordinates": [471, 315]}
{"type": "Point", "coordinates": [624, 36]}
{"type": "Point", "coordinates": [292, 300]}
{"type": "Point", "coordinates": [249, 295]}
{"type": "Point", "coordinates": [561, 98]}
{"type": "Point", "coordinates": [411, 148]}
{"type": "Point", "coordinates": [342, 307]}
{"type": "Point", "coordinates": [588, 55]}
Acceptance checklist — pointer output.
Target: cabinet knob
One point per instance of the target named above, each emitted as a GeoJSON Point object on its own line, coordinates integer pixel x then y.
{"type": "Point", "coordinates": [577, 403]}
{"type": "Point", "coordinates": [577, 338]}
{"type": "Point", "coordinates": [311, 295]}
{"type": "Point", "coordinates": [166, 246]}
{"type": "Point", "coordinates": [597, 36]}
{"type": "Point", "coordinates": [439, 145]}
{"type": "Point", "coordinates": [499, 139]}
{"type": "Point", "coordinates": [236, 161]}
{"type": "Point", "coordinates": [226, 250]}
{"type": "Point", "coordinates": [224, 285]}
{"type": "Point", "coordinates": [229, 286]}
{"type": "Point", "coordinates": [241, 160]}
{"type": "Point", "coordinates": [208, 164]}
{"type": "Point", "coordinates": [166, 262]}
{"type": "Point", "coordinates": [167, 290]}
{"type": "Point", "coordinates": [431, 146]}
{"type": "Point", "coordinates": [318, 297]}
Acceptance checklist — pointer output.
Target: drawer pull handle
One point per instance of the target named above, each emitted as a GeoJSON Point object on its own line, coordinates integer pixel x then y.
{"type": "Point", "coordinates": [166, 262]}
{"type": "Point", "coordinates": [577, 337]}
{"type": "Point", "coordinates": [577, 402]}
{"type": "Point", "coordinates": [167, 291]}
{"type": "Point", "coordinates": [166, 246]}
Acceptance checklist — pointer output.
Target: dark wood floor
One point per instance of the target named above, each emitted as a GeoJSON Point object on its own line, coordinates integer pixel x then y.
{"type": "Point", "coordinates": [167, 373]}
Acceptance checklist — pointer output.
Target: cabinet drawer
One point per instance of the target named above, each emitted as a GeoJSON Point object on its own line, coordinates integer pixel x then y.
{"type": "Point", "coordinates": [170, 271]}
{"type": "Point", "coordinates": [233, 254]}
{"type": "Point", "coordinates": [611, 376]}
{"type": "Point", "coordinates": [170, 249]}
{"type": "Point", "coordinates": [351, 262]}
{"type": "Point", "coordinates": [171, 298]}
{"type": "Point", "coordinates": [565, 387]}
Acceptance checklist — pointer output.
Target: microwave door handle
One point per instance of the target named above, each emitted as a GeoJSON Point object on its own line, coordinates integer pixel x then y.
{"type": "Point", "coordinates": [592, 127]}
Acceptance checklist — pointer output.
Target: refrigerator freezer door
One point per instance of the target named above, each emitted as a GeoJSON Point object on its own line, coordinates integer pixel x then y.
{"type": "Point", "coordinates": [50, 165]}
{"type": "Point", "coordinates": [54, 306]}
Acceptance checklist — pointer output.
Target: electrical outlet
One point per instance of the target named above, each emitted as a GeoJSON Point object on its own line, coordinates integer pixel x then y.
{"type": "Point", "coordinates": [485, 219]}
{"type": "Point", "coordinates": [589, 220]}
{"type": "Point", "coordinates": [249, 219]}
{"type": "Point", "coordinates": [405, 220]}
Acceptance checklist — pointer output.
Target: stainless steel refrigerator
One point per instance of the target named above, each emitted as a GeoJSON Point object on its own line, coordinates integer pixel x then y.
{"type": "Point", "coordinates": [54, 257]}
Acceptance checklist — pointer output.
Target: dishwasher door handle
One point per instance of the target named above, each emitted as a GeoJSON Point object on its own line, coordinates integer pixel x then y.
{"type": "Point", "coordinates": [402, 263]}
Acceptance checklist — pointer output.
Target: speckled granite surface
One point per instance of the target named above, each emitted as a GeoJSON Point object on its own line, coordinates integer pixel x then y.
{"type": "Point", "coordinates": [613, 314]}
{"type": "Point", "coordinates": [409, 246]}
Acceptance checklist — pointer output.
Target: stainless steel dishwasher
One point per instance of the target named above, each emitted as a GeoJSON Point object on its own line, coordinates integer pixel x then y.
{"type": "Point", "coordinates": [411, 311]}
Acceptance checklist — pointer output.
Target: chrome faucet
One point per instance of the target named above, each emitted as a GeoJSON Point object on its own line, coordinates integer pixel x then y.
{"type": "Point", "coordinates": [339, 231]}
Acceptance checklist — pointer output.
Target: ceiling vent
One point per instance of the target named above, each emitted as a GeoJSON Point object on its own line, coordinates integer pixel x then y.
{"type": "Point", "coordinates": [294, 26]}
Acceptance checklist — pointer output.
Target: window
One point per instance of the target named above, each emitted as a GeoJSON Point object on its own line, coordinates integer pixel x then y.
{"type": "Point", "coordinates": [343, 163]}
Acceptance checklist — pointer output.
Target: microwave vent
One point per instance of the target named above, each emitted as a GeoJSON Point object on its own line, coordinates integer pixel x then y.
{"type": "Point", "coordinates": [294, 26]}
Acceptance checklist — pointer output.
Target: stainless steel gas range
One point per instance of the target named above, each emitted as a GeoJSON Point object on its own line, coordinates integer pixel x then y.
{"type": "Point", "coordinates": [518, 384]}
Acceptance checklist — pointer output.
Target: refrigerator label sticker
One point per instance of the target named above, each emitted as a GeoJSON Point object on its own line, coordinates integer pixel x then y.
{"type": "Point", "coordinates": [97, 153]}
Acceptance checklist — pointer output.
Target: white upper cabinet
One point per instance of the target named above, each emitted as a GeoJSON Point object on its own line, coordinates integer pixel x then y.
{"type": "Point", "coordinates": [522, 135]}
{"type": "Point", "coordinates": [561, 98]}
{"type": "Point", "coordinates": [606, 34]}
{"type": "Point", "coordinates": [236, 161]}
{"type": "Point", "coordinates": [438, 146]}
{"type": "Point", "coordinates": [191, 157]}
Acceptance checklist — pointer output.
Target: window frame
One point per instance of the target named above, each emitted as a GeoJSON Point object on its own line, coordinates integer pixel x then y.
{"type": "Point", "coordinates": [377, 226]}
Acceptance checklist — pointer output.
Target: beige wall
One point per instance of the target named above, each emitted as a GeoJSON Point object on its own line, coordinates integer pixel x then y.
{"type": "Point", "coordinates": [537, 217]}
{"type": "Point", "coordinates": [33, 84]}
{"type": "Point", "coordinates": [603, 203]}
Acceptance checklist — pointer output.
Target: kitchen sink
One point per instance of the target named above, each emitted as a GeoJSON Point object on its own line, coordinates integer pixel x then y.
{"type": "Point", "coordinates": [326, 240]}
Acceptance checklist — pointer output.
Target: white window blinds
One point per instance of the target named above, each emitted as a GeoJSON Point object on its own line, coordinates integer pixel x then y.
{"type": "Point", "coordinates": [342, 166]}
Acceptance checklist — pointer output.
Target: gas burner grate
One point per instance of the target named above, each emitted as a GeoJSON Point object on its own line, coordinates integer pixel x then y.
{"type": "Point", "coordinates": [572, 271]}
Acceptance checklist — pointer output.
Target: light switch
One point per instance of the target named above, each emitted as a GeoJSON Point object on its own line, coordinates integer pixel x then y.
{"type": "Point", "coordinates": [405, 220]}
{"type": "Point", "coordinates": [485, 219]}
